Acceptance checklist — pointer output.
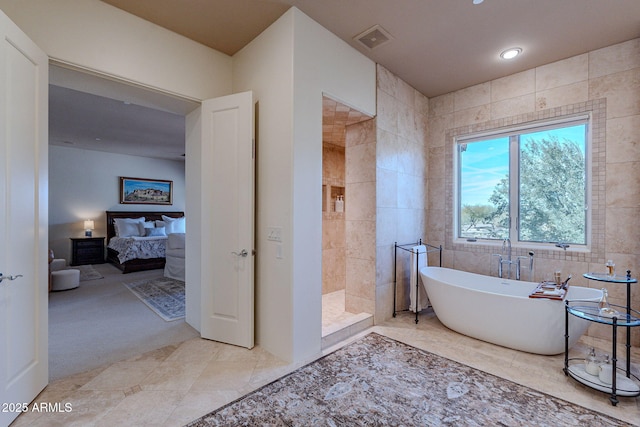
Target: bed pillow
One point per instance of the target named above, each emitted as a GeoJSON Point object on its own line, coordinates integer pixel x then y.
{"type": "Point", "coordinates": [174, 225]}
{"type": "Point", "coordinates": [155, 232]}
{"type": "Point", "coordinates": [142, 227]}
{"type": "Point", "coordinates": [127, 227]}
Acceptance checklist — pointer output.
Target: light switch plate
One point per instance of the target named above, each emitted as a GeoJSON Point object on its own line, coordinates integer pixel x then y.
{"type": "Point", "coordinates": [274, 234]}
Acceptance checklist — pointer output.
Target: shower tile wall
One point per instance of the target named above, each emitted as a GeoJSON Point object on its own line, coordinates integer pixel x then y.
{"type": "Point", "coordinates": [606, 81]}
{"type": "Point", "coordinates": [360, 213]}
{"type": "Point", "coordinates": [349, 239]}
{"type": "Point", "coordinates": [336, 119]}
{"type": "Point", "coordinates": [333, 224]}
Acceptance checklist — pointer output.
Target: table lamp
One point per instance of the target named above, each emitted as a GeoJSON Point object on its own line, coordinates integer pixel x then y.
{"type": "Point", "coordinates": [88, 227]}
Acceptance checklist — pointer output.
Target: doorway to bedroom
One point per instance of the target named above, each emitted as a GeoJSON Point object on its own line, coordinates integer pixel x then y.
{"type": "Point", "coordinates": [101, 130]}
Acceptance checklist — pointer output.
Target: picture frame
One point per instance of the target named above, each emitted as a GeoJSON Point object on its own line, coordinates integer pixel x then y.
{"type": "Point", "coordinates": [143, 191]}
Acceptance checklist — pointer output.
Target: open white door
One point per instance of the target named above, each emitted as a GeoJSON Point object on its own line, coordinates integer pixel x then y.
{"type": "Point", "coordinates": [23, 220]}
{"type": "Point", "coordinates": [227, 219]}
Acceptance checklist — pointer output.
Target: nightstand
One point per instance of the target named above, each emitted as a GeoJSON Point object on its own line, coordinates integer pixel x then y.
{"type": "Point", "coordinates": [87, 250]}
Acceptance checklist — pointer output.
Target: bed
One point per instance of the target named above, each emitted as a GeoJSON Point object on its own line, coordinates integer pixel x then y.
{"type": "Point", "coordinates": [150, 250]}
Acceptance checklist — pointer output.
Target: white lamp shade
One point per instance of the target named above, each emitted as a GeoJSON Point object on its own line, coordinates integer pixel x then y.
{"type": "Point", "coordinates": [89, 225]}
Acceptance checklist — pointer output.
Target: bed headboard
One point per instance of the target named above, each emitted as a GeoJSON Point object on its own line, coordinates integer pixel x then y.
{"type": "Point", "coordinates": [150, 216]}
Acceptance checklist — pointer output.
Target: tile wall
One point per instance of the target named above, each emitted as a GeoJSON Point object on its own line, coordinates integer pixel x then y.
{"type": "Point", "coordinates": [604, 81]}
{"type": "Point", "coordinates": [401, 171]}
{"type": "Point", "coordinates": [360, 216]}
{"type": "Point", "coordinates": [346, 169]}
{"type": "Point", "coordinates": [409, 195]}
{"type": "Point", "coordinates": [333, 224]}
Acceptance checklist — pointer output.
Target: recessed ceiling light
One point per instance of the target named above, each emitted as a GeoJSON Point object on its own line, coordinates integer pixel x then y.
{"type": "Point", "coordinates": [511, 53]}
{"type": "Point", "coordinates": [477, 1]}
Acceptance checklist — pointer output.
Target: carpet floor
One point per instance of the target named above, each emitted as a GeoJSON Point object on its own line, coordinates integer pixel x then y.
{"type": "Point", "coordinates": [102, 322]}
{"type": "Point", "coordinates": [377, 381]}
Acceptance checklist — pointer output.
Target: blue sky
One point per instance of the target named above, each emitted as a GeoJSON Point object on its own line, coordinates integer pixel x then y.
{"type": "Point", "coordinates": [485, 163]}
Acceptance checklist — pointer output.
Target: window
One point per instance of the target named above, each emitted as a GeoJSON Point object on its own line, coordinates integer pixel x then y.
{"type": "Point", "coordinates": [529, 184]}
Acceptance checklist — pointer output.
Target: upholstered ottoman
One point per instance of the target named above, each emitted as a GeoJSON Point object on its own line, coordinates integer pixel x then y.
{"type": "Point", "coordinates": [62, 280]}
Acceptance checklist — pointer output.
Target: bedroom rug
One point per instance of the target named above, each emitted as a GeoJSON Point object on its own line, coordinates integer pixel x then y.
{"type": "Point", "coordinates": [87, 272]}
{"type": "Point", "coordinates": [377, 381]}
{"type": "Point", "coordinates": [164, 296]}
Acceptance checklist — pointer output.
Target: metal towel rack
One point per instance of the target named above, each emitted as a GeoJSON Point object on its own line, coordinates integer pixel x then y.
{"type": "Point", "coordinates": [408, 247]}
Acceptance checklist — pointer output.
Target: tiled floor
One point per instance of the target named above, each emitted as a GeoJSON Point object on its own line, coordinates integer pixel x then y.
{"type": "Point", "coordinates": [177, 384]}
{"type": "Point", "coordinates": [337, 324]}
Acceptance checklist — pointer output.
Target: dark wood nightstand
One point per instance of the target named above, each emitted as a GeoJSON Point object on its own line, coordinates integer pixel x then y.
{"type": "Point", "coordinates": [87, 250]}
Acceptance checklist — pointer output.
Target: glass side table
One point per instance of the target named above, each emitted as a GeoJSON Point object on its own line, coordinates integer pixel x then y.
{"type": "Point", "coordinates": [603, 277]}
{"type": "Point", "coordinates": [621, 384]}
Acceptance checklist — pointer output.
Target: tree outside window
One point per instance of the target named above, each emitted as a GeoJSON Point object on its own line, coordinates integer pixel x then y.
{"type": "Point", "coordinates": [527, 185]}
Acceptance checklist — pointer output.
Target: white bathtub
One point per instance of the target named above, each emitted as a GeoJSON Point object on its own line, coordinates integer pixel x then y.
{"type": "Point", "coordinates": [500, 311]}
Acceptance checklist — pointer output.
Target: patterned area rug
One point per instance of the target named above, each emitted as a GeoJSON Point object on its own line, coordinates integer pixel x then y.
{"type": "Point", "coordinates": [164, 296]}
{"type": "Point", "coordinates": [87, 272]}
{"type": "Point", "coordinates": [377, 381]}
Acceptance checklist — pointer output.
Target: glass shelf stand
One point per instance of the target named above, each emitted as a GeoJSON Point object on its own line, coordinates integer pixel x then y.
{"type": "Point", "coordinates": [625, 317]}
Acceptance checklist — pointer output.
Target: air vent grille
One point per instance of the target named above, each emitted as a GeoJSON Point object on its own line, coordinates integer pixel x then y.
{"type": "Point", "coordinates": [373, 37]}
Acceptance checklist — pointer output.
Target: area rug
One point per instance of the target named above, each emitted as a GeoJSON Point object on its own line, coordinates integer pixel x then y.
{"type": "Point", "coordinates": [164, 296]}
{"type": "Point", "coordinates": [87, 272]}
{"type": "Point", "coordinates": [377, 381]}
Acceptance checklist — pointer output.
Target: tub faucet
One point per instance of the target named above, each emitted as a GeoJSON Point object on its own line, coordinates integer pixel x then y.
{"type": "Point", "coordinates": [506, 259]}
{"type": "Point", "coordinates": [499, 264]}
{"type": "Point", "coordinates": [506, 245]}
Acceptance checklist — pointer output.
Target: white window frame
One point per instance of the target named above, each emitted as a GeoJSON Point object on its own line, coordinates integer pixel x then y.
{"type": "Point", "coordinates": [512, 132]}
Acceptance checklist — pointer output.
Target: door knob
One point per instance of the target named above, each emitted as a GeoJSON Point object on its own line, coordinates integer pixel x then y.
{"type": "Point", "coordinates": [243, 253]}
{"type": "Point", "coordinates": [9, 277]}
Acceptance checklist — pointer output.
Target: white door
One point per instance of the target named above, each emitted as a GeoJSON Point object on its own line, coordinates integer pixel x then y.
{"type": "Point", "coordinates": [227, 219]}
{"type": "Point", "coordinates": [23, 220]}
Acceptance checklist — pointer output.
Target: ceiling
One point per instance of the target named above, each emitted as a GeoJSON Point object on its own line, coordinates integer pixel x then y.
{"type": "Point", "coordinates": [436, 46]}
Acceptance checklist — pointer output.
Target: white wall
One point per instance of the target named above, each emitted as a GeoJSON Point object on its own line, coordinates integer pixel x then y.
{"type": "Point", "coordinates": [96, 36]}
{"type": "Point", "coordinates": [297, 61]}
{"type": "Point", "coordinates": [83, 184]}
{"type": "Point", "coordinates": [91, 35]}
{"type": "Point", "coordinates": [271, 53]}
{"type": "Point", "coordinates": [288, 67]}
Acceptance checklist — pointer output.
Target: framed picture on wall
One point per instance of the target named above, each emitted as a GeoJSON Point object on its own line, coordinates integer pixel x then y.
{"type": "Point", "coordinates": [144, 191]}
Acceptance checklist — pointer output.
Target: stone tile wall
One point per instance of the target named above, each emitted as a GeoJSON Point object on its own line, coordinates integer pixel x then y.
{"type": "Point", "coordinates": [360, 217]}
{"type": "Point", "coordinates": [604, 81]}
{"type": "Point", "coordinates": [333, 223]}
{"type": "Point", "coordinates": [401, 170]}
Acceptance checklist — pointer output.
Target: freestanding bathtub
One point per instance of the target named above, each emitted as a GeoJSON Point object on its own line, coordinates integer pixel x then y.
{"type": "Point", "coordinates": [500, 311]}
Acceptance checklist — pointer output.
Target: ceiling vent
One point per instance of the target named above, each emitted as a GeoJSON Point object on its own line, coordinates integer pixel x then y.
{"type": "Point", "coordinates": [373, 37]}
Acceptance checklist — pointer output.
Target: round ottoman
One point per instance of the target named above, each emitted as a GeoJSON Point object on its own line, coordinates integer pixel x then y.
{"type": "Point", "coordinates": [62, 280]}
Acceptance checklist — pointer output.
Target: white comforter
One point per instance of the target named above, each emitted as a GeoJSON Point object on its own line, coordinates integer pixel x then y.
{"type": "Point", "coordinates": [138, 247]}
